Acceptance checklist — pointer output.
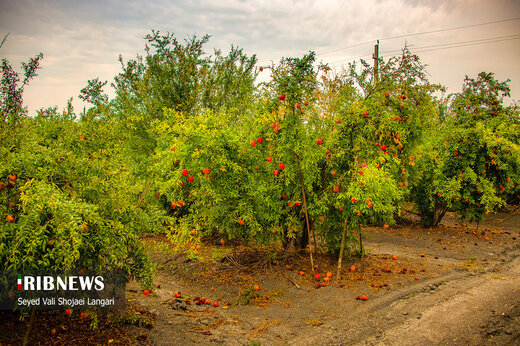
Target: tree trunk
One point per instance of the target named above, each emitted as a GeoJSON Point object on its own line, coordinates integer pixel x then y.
{"type": "Point", "coordinates": [438, 214]}
{"type": "Point", "coordinates": [29, 329]}
{"type": "Point", "coordinates": [286, 242]}
{"type": "Point", "coordinates": [307, 219]}
{"type": "Point", "coordinates": [342, 247]}
{"type": "Point", "coordinates": [304, 240]}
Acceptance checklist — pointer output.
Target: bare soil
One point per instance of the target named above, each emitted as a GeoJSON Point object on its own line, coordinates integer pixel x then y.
{"type": "Point", "coordinates": [449, 285]}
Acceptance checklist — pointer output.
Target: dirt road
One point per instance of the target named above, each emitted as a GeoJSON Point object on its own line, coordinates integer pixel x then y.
{"type": "Point", "coordinates": [449, 286]}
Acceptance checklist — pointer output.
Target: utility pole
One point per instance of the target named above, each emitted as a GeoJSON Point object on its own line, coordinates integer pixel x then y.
{"type": "Point", "coordinates": [376, 63]}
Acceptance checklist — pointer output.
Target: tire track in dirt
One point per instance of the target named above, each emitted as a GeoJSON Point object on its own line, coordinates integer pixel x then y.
{"type": "Point", "coordinates": [455, 308]}
{"type": "Point", "coordinates": [458, 319]}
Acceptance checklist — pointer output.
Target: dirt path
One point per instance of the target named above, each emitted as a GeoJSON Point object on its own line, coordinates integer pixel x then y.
{"type": "Point", "coordinates": [460, 311]}
{"type": "Point", "coordinates": [449, 286]}
{"type": "Point", "coordinates": [456, 308]}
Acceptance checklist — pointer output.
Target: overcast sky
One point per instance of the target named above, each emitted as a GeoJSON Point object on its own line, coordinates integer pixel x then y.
{"type": "Point", "coordinates": [82, 40]}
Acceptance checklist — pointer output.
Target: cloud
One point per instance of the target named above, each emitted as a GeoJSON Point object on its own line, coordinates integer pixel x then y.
{"type": "Point", "coordinates": [82, 39]}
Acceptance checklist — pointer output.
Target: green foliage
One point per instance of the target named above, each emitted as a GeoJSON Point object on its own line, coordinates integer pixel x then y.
{"type": "Point", "coordinates": [93, 92]}
{"type": "Point", "coordinates": [471, 161]}
{"type": "Point", "coordinates": [228, 82]}
{"type": "Point", "coordinates": [192, 147]}
{"type": "Point", "coordinates": [75, 202]}
{"type": "Point", "coordinates": [127, 318]}
{"type": "Point", "coordinates": [11, 92]}
{"type": "Point", "coordinates": [253, 177]}
{"type": "Point", "coordinates": [178, 76]}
